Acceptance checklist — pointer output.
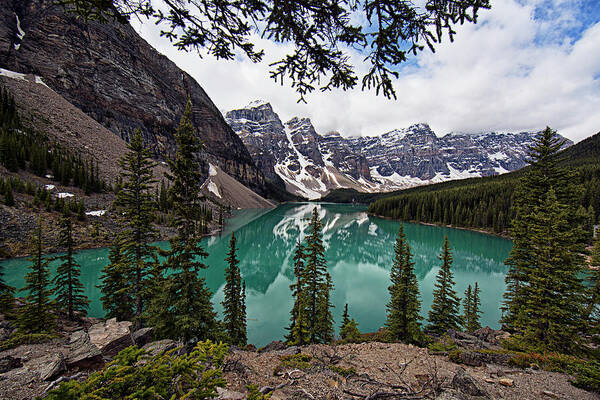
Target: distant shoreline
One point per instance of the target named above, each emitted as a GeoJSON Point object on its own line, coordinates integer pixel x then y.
{"type": "Point", "coordinates": [479, 230]}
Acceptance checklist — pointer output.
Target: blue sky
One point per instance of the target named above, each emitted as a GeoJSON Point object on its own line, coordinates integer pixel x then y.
{"type": "Point", "coordinates": [525, 65]}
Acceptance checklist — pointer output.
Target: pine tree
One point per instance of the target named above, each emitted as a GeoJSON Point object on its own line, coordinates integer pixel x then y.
{"type": "Point", "coordinates": [349, 332]}
{"type": "Point", "coordinates": [471, 308]}
{"type": "Point", "coordinates": [9, 199]}
{"type": "Point", "coordinates": [137, 209]}
{"type": "Point", "coordinates": [403, 310]}
{"type": "Point", "coordinates": [345, 316]}
{"type": "Point", "coordinates": [7, 293]}
{"type": "Point", "coordinates": [475, 309]}
{"type": "Point", "coordinates": [116, 298]}
{"type": "Point", "coordinates": [592, 310]}
{"type": "Point", "coordinates": [298, 329]}
{"type": "Point", "coordinates": [36, 316]}
{"type": "Point", "coordinates": [444, 313]}
{"type": "Point", "coordinates": [318, 285]}
{"type": "Point", "coordinates": [233, 303]}
{"type": "Point", "coordinates": [183, 309]}
{"type": "Point", "coordinates": [553, 299]}
{"type": "Point", "coordinates": [544, 296]}
{"type": "Point", "coordinates": [67, 286]}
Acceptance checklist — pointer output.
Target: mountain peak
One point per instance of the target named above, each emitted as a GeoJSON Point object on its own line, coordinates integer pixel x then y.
{"type": "Point", "coordinates": [257, 104]}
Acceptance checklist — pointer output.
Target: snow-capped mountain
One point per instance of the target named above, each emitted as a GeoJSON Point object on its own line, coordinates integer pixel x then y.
{"type": "Point", "coordinates": [310, 164]}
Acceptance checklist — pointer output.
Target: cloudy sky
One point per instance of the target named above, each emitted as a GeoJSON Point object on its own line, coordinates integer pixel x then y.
{"type": "Point", "coordinates": [525, 65]}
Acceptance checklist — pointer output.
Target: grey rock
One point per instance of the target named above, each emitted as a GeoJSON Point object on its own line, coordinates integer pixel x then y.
{"type": "Point", "coordinates": [54, 366]}
{"type": "Point", "coordinates": [225, 394]}
{"type": "Point", "coordinates": [9, 362]}
{"type": "Point", "coordinates": [143, 336]}
{"type": "Point", "coordinates": [466, 384]}
{"type": "Point", "coordinates": [113, 75]}
{"type": "Point", "coordinates": [160, 346]}
{"type": "Point", "coordinates": [111, 336]}
{"type": "Point", "coordinates": [276, 345]}
{"type": "Point", "coordinates": [82, 353]}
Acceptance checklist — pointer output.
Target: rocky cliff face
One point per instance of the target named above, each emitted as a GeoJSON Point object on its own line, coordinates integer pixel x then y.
{"type": "Point", "coordinates": [294, 154]}
{"type": "Point", "coordinates": [311, 164]}
{"type": "Point", "coordinates": [117, 78]}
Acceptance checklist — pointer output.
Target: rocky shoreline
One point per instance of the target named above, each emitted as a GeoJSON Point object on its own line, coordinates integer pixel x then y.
{"type": "Point", "coordinates": [369, 370]}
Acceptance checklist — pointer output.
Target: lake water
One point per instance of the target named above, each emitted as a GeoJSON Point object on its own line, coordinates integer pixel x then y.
{"type": "Point", "coordinates": [359, 252]}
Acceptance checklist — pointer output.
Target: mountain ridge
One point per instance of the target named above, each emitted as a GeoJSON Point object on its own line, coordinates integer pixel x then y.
{"type": "Point", "coordinates": [311, 164]}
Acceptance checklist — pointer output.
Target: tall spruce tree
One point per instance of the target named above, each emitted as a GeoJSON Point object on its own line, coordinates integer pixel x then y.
{"type": "Point", "coordinates": [444, 313]}
{"type": "Point", "coordinates": [37, 314]}
{"type": "Point", "coordinates": [403, 310]}
{"type": "Point", "coordinates": [554, 297]}
{"type": "Point", "coordinates": [349, 332]}
{"type": "Point", "coordinates": [298, 329]}
{"type": "Point", "coordinates": [116, 298]}
{"type": "Point", "coordinates": [471, 308]}
{"type": "Point", "coordinates": [183, 308]}
{"type": "Point", "coordinates": [234, 301]}
{"type": "Point", "coordinates": [592, 310]}
{"type": "Point", "coordinates": [137, 209]}
{"type": "Point", "coordinates": [318, 285]}
{"type": "Point", "coordinates": [67, 286]}
{"type": "Point", "coordinates": [7, 295]}
{"type": "Point", "coordinates": [546, 224]}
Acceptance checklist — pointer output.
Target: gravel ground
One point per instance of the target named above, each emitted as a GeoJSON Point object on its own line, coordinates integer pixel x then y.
{"type": "Point", "coordinates": [379, 366]}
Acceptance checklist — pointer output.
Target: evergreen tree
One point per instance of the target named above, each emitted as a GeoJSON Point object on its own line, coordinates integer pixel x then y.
{"type": "Point", "coordinates": [7, 293]}
{"type": "Point", "coordinates": [553, 299]}
{"type": "Point", "coordinates": [318, 285]}
{"type": "Point", "coordinates": [345, 316]}
{"type": "Point", "coordinates": [544, 291]}
{"type": "Point", "coordinates": [298, 329]}
{"type": "Point", "coordinates": [116, 299]}
{"type": "Point", "coordinates": [137, 209]}
{"type": "Point", "coordinates": [67, 286]}
{"type": "Point", "coordinates": [592, 311]}
{"type": "Point", "coordinates": [349, 332]}
{"type": "Point", "coordinates": [36, 316]}
{"type": "Point", "coordinates": [444, 313]}
{"type": "Point", "coordinates": [471, 308]}
{"type": "Point", "coordinates": [404, 306]}
{"type": "Point", "coordinates": [233, 303]}
{"type": "Point", "coordinates": [183, 308]}
{"type": "Point", "coordinates": [9, 200]}
{"type": "Point", "coordinates": [467, 307]}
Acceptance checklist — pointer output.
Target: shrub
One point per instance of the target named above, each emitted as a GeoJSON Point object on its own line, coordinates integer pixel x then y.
{"type": "Point", "coordinates": [455, 356]}
{"type": "Point", "coordinates": [444, 344]}
{"type": "Point", "coordinates": [345, 372]}
{"type": "Point", "coordinates": [134, 374]}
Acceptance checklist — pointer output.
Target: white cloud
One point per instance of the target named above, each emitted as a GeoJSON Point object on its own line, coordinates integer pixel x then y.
{"type": "Point", "coordinates": [514, 70]}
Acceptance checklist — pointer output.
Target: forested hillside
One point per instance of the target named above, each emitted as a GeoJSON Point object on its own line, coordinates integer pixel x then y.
{"type": "Point", "coordinates": [485, 202]}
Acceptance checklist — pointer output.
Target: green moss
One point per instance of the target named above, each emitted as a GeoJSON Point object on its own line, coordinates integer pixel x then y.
{"type": "Point", "coordinates": [455, 356]}
{"type": "Point", "coordinates": [345, 372]}
{"type": "Point", "coordinates": [444, 344]}
{"type": "Point", "coordinates": [293, 361]}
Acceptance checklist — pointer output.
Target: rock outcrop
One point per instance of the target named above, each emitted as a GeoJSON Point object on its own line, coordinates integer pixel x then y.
{"type": "Point", "coordinates": [113, 75]}
{"type": "Point", "coordinates": [110, 337]}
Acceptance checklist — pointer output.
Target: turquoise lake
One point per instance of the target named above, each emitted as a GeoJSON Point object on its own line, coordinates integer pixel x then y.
{"type": "Point", "coordinates": [359, 253]}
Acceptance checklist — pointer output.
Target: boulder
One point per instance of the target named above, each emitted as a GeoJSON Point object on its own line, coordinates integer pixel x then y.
{"type": "Point", "coordinates": [275, 345]}
{"type": "Point", "coordinates": [225, 394]}
{"type": "Point", "coordinates": [9, 362]}
{"type": "Point", "coordinates": [160, 346]}
{"type": "Point", "coordinates": [490, 335]}
{"type": "Point", "coordinates": [52, 367]}
{"type": "Point", "coordinates": [111, 336]}
{"type": "Point", "coordinates": [143, 336]}
{"type": "Point", "coordinates": [466, 384]}
{"type": "Point", "coordinates": [83, 353]}
{"type": "Point", "coordinates": [506, 382]}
